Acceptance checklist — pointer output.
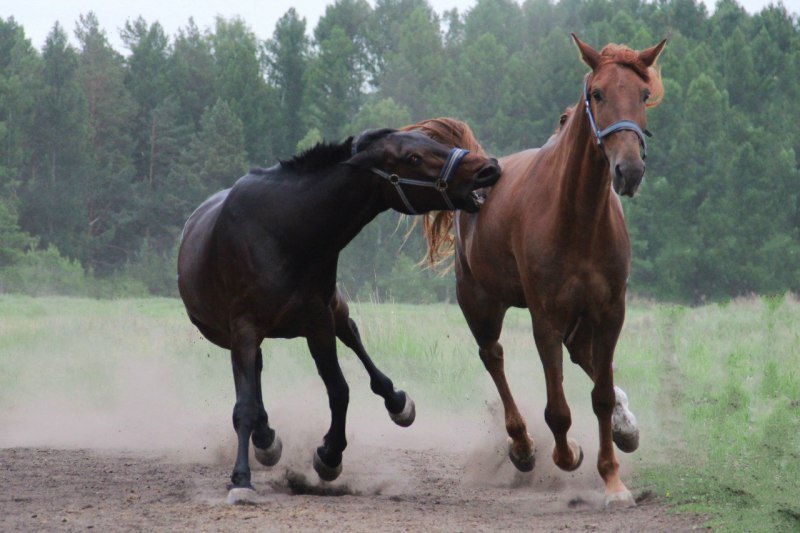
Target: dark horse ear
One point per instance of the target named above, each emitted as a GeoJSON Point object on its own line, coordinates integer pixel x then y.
{"type": "Point", "coordinates": [589, 55]}
{"type": "Point", "coordinates": [649, 56]}
{"type": "Point", "coordinates": [368, 137]}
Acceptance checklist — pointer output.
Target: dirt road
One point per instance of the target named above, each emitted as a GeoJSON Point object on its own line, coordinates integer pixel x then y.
{"type": "Point", "coordinates": [384, 490]}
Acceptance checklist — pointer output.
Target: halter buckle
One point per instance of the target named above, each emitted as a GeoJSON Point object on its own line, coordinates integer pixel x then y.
{"type": "Point", "coordinates": [394, 179]}
{"type": "Point", "coordinates": [441, 185]}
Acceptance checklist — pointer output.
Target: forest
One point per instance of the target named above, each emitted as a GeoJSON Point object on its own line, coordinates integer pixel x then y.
{"type": "Point", "coordinates": [105, 153]}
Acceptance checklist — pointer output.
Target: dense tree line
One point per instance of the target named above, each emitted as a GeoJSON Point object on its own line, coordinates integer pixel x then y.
{"type": "Point", "coordinates": [103, 155]}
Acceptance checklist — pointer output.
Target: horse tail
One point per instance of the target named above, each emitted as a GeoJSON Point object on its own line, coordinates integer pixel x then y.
{"type": "Point", "coordinates": [437, 226]}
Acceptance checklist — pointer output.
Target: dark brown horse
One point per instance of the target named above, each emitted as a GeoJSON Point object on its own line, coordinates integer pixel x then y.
{"type": "Point", "coordinates": [259, 260]}
{"type": "Point", "coordinates": [551, 237]}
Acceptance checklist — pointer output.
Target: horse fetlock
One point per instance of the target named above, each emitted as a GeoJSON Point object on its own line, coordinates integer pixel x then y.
{"type": "Point", "coordinates": [522, 454]}
{"type": "Point", "coordinates": [240, 478]}
{"type": "Point", "coordinates": [407, 414]}
{"type": "Point", "coordinates": [271, 453]}
{"type": "Point", "coordinates": [569, 462]}
{"type": "Point", "coordinates": [624, 429]}
{"type": "Point", "coordinates": [327, 467]}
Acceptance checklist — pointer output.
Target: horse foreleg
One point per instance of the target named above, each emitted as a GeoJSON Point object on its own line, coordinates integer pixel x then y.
{"type": "Point", "coordinates": [485, 320]}
{"type": "Point", "coordinates": [322, 344]}
{"type": "Point", "coordinates": [603, 403]}
{"type": "Point", "coordinates": [244, 348]}
{"type": "Point", "coordinates": [567, 454]}
{"type": "Point", "coordinates": [398, 403]}
{"type": "Point", "coordinates": [267, 445]}
{"type": "Point", "coordinates": [623, 422]}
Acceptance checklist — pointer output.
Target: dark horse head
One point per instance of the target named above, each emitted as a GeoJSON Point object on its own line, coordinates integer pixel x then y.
{"type": "Point", "coordinates": [421, 174]}
{"type": "Point", "coordinates": [622, 84]}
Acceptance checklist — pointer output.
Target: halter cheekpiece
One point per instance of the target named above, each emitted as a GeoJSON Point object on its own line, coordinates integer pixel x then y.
{"type": "Point", "coordinates": [619, 125]}
{"type": "Point", "coordinates": [445, 177]}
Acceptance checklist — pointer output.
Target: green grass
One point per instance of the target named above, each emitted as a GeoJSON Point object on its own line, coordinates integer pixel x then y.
{"type": "Point", "coordinates": [716, 389]}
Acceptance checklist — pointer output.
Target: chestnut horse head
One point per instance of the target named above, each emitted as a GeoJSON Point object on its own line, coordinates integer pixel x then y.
{"type": "Point", "coordinates": [621, 85]}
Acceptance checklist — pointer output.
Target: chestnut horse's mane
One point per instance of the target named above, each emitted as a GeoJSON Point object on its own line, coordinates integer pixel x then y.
{"type": "Point", "coordinates": [437, 226]}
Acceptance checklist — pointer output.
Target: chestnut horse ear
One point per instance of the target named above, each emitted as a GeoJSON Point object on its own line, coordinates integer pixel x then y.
{"type": "Point", "coordinates": [649, 56]}
{"type": "Point", "coordinates": [589, 55]}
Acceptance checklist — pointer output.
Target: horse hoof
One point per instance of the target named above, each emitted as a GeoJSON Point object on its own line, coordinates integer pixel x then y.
{"type": "Point", "coordinates": [270, 455]}
{"type": "Point", "coordinates": [325, 472]}
{"type": "Point", "coordinates": [241, 496]}
{"type": "Point", "coordinates": [624, 430]}
{"type": "Point", "coordinates": [523, 464]}
{"type": "Point", "coordinates": [405, 417]}
{"type": "Point", "coordinates": [619, 500]}
{"type": "Point", "coordinates": [576, 450]}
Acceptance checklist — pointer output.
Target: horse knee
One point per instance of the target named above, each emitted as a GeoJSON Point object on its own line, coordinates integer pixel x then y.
{"type": "Point", "coordinates": [603, 401]}
{"type": "Point", "coordinates": [558, 418]}
{"type": "Point", "coordinates": [339, 396]}
{"type": "Point", "coordinates": [245, 415]}
{"type": "Point", "coordinates": [492, 357]}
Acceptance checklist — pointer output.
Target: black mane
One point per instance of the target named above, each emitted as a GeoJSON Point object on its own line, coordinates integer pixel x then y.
{"type": "Point", "coordinates": [319, 156]}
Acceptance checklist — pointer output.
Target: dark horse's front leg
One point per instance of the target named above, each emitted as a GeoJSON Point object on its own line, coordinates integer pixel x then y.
{"type": "Point", "coordinates": [322, 344]}
{"type": "Point", "coordinates": [398, 403]}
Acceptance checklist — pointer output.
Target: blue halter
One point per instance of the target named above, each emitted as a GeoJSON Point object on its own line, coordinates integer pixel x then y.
{"type": "Point", "coordinates": [445, 177]}
{"type": "Point", "coordinates": [619, 125]}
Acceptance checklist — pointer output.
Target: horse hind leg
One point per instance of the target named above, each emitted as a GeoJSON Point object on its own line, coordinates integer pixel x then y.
{"type": "Point", "coordinates": [244, 347]}
{"type": "Point", "coordinates": [398, 403]}
{"type": "Point", "coordinates": [625, 431]}
{"type": "Point", "coordinates": [485, 320]}
{"type": "Point", "coordinates": [267, 445]}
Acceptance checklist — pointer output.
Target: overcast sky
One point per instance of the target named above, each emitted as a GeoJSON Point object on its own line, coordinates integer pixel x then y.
{"type": "Point", "coordinates": [38, 16]}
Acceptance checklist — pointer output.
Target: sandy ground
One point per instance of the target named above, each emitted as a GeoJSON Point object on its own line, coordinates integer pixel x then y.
{"type": "Point", "coordinates": [384, 490]}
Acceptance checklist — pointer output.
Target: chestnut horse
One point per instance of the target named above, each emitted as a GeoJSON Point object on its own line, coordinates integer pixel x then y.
{"type": "Point", "coordinates": [259, 260]}
{"type": "Point", "coordinates": [551, 237]}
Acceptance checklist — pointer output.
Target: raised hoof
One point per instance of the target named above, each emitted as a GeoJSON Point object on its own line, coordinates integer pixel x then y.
{"type": "Point", "coordinates": [270, 455]}
{"type": "Point", "coordinates": [576, 449]}
{"type": "Point", "coordinates": [523, 464]}
{"type": "Point", "coordinates": [619, 500]}
{"type": "Point", "coordinates": [624, 430]}
{"type": "Point", "coordinates": [325, 472]}
{"type": "Point", "coordinates": [405, 417]}
{"type": "Point", "coordinates": [241, 496]}
{"type": "Point", "coordinates": [626, 442]}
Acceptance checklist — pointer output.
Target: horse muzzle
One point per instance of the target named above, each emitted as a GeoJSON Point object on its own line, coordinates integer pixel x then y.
{"type": "Point", "coordinates": [627, 177]}
{"type": "Point", "coordinates": [487, 176]}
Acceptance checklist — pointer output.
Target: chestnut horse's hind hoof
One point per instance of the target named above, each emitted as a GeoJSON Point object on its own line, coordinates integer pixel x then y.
{"type": "Point", "coordinates": [624, 430]}
{"type": "Point", "coordinates": [325, 472]}
{"type": "Point", "coordinates": [270, 455]}
{"type": "Point", "coordinates": [241, 496]}
{"type": "Point", "coordinates": [523, 464]}
{"type": "Point", "coordinates": [619, 500]}
{"type": "Point", "coordinates": [405, 417]}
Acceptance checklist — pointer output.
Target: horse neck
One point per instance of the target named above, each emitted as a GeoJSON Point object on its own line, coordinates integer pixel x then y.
{"type": "Point", "coordinates": [582, 178]}
{"type": "Point", "coordinates": [361, 201]}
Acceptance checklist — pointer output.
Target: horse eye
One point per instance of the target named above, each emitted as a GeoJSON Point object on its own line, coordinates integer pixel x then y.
{"type": "Point", "coordinates": [597, 95]}
{"type": "Point", "coordinates": [646, 96]}
{"type": "Point", "coordinates": [414, 159]}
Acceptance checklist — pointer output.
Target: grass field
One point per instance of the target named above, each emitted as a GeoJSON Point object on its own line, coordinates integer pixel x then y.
{"type": "Point", "coordinates": [716, 389]}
